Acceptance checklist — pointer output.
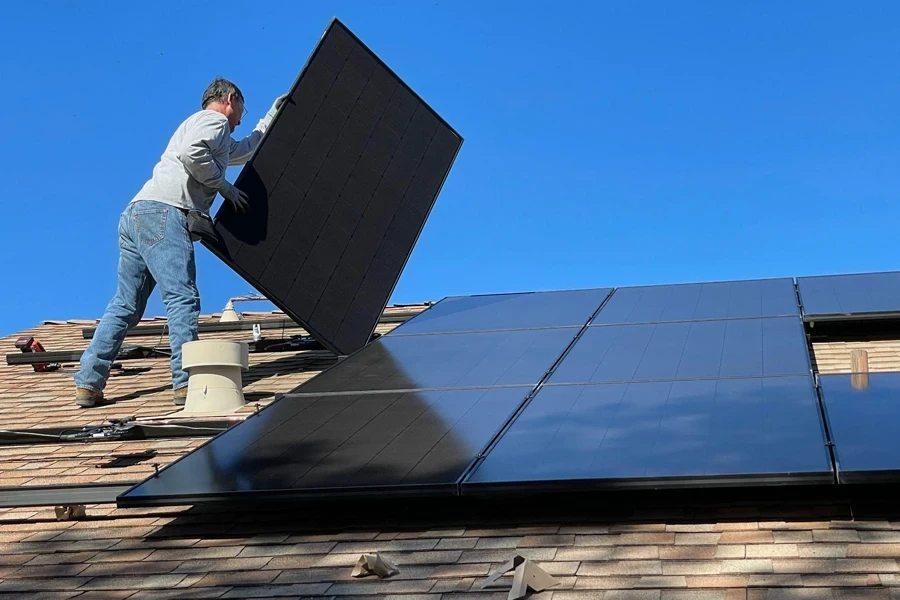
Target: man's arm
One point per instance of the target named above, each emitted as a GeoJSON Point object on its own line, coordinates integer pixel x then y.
{"type": "Point", "coordinates": [203, 141]}
{"type": "Point", "coordinates": [242, 151]}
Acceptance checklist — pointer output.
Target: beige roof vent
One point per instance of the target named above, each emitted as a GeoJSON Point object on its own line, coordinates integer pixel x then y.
{"type": "Point", "coordinates": [214, 385]}
{"type": "Point", "coordinates": [229, 315]}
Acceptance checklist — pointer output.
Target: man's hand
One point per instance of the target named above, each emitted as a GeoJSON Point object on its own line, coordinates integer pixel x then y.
{"type": "Point", "coordinates": [278, 102]}
{"type": "Point", "coordinates": [238, 200]}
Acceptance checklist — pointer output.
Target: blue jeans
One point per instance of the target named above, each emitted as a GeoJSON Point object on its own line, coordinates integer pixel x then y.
{"type": "Point", "coordinates": [155, 247]}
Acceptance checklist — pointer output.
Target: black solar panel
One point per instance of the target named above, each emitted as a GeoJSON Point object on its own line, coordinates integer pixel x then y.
{"type": "Point", "coordinates": [457, 360]}
{"type": "Point", "coordinates": [507, 311]}
{"type": "Point", "coordinates": [680, 351]}
{"type": "Point", "coordinates": [862, 294]}
{"type": "Point", "coordinates": [340, 189]}
{"type": "Point", "coordinates": [685, 433]}
{"type": "Point", "coordinates": [864, 415]}
{"type": "Point", "coordinates": [405, 443]}
{"type": "Point", "coordinates": [699, 301]}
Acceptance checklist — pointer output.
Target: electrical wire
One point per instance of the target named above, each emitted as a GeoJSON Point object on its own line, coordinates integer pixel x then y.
{"type": "Point", "coordinates": [30, 433]}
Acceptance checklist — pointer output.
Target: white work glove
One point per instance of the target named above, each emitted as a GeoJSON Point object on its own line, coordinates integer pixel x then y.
{"type": "Point", "coordinates": [238, 200]}
{"type": "Point", "coordinates": [278, 102]}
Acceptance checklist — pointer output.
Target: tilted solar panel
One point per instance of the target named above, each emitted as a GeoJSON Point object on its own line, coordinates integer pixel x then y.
{"type": "Point", "coordinates": [340, 189]}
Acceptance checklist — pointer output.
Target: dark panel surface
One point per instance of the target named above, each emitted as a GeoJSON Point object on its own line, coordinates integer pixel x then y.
{"type": "Point", "coordinates": [841, 295]}
{"type": "Point", "coordinates": [864, 415]}
{"type": "Point", "coordinates": [613, 434]}
{"type": "Point", "coordinates": [340, 189]}
{"type": "Point", "coordinates": [507, 311]}
{"type": "Point", "coordinates": [300, 445]}
{"type": "Point", "coordinates": [696, 301]}
{"type": "Point", "coordinates": [680, 351]}
{"type": "Point", "coordinates": [446, 361]}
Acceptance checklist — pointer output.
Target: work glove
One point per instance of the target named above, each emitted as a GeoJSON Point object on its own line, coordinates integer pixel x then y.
{"type": "Point", "coordinates": [278, 102]}
{"type": "Point", "coordinates": [238, 200]}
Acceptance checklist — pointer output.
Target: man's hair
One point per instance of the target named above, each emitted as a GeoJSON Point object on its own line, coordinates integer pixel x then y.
{"type": "Point", "coordinates": [218, 91]}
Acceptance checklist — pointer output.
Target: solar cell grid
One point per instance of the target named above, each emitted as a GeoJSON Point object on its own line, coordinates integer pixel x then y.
{"type": "Point", "coordinates": [863, 413]}
{"type": "Point", "coordinates": [855, 295]}
{"type": "Point", "coordinates": [413, 442]}
{"type": "Point", "coordinates": [681, 351]}
{"type": "Point", "coordinates": [700, 301]}
{"type": "Point", "coordinates": [680, 432]}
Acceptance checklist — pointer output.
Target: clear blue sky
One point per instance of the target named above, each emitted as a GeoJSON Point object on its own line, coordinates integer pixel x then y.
{"type": "Point", "coordinates": [607, 143]}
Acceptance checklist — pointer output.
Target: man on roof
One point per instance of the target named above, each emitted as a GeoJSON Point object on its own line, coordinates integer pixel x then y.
{"type": "Point", "coordinates": [157, 229]}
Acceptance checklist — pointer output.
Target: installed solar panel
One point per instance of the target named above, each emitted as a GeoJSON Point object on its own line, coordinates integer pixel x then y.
{"type": "Point", "coordinates": [507, 311]}
{"type": "Point", "coordinates": [340, 189]}
{"type": "Point", "coordinates": [670, 351]}
{"type": "Point", "coordinates": [864, 416]}
{"type": "Point", "coordinates": [698, 301]}
{"type": "Point", "coordinates": [415, 442]}
{"type": "Point", "coordinates": [682, 432]}
{"type": "Point", "coordinates": [446, 361]}
{"type": "Point", "coordinates": [862, 294]}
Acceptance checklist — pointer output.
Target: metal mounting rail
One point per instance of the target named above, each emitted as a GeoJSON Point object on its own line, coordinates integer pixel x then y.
{"type": "Point", "coordinates": [62, 495]}
{"type": "Point", "coordinates": [245, 325]}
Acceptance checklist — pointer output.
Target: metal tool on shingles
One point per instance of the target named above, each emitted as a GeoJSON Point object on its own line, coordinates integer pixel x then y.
{"type": "Point", "coordinates": [29, 344]}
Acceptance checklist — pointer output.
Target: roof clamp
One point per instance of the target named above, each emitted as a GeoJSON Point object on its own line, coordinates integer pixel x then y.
{"type": "Point", "coordinates": [528, 576]}
{"type": "Point", "coordinates": [155, 469]}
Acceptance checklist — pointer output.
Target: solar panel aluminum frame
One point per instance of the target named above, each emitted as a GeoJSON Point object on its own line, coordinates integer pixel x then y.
{"type": "Point", "coordinates": [695, 482]}
{"type": "Point", "coordinates": [217, 251]}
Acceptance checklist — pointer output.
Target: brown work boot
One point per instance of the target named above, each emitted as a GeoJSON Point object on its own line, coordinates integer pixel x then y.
{"type": "Point", "coordinates": [86, 398]}
{"type": "Point", "coordinates": [180, 396]}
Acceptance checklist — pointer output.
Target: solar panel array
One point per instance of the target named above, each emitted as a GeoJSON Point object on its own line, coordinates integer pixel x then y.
{"type": "Point", "coordinates": [408, 414]}
{"type": "Point", "coordinates": [486, 393]}
{"type": "Point", "coordinates": [673, 385]}
{"type": "Point", "coordinates": [340, 189]}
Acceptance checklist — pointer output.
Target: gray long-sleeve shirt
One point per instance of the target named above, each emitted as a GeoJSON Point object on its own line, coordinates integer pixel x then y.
{"type": "Point", "coordinates": [192, 168]}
